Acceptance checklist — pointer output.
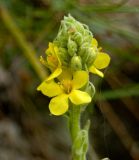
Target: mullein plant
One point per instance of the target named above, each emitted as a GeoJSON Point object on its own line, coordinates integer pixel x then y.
{"type": "Point", "coordinates": [70, 58]}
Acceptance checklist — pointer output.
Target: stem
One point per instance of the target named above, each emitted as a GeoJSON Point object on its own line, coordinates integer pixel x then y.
{"type": "Point", "coordinates": [74, 121]}
{"type": "Point", "coordinates": [79, 136]}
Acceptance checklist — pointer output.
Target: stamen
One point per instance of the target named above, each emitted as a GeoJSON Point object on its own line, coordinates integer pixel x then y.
{"type": "Point", "coordinates": [66, 86]}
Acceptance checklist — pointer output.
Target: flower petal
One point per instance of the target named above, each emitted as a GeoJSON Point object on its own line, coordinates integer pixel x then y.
{"type": "Point", "coordinates": [50, 88]}
{"type": "Point", "coordinates": [54, 74]}
{"type": "Point", "coordinates": [79, 97]}
{"type": "Point", "coordinates": [59, 105]}
{"type": "Point", "coordinates": [66, 74]}
{"type": "Point", "coordinates": [80, 78]}
{"type": "Point", "coordinates": [96, 71]}
{"type": "Point", "coordinates": [50, 48]}
{"type": "Point", "coordinates": [56, 51]}
{"type": "Point", "coordinates": [94, 43]}
{"type": "Point", "coordinates": [102, 60]}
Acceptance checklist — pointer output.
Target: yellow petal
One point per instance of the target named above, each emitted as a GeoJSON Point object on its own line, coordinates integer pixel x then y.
{"type": "Point", "coordinates": [102, 60]}
{"type": "Point", "coordinates": [79, 97]}
{"type": "Point", "coordinates": [80, 78]}
{"type": "Point", "coordinates": [66, 74]}
{"type": "Point", "coordinates": [94, 43]}
{"type": "Point", "coordinates": [59, 105]}
{"type": "Point", "coordinates": [96, 71]}
{"type": "Point", "coordinates": [51, 47]}
{"type": "Point", "coordinates": [50, 88]}
{"type": "Point", "coordinates": [55, 74]}
{"type": "Point", "coordinates": [56, 50]}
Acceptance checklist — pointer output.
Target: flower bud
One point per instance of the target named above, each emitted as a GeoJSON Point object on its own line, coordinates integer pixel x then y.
{"type": "Point", "coordinates": [83, 49]}
{"type": "Point", "coordinates": [81, 144]}
{"type": "Point", "coordinates": [61, 40]}
{"type": "Point", "coordinates": [63, 55]}
{"type": "Point", "coordinates": [76, 63]}
{"type": "Point", "coordinates": [72, 47]}
{"type": "Point", "coordinates": [80, 28]}
{"type": "Point", "coordinates": [92, 56]}
{"type": "Point", "coordinates": [91, 89]}
{"type": "Point", "coordinates": [87, 39]}
{"type": "Point", "coordinates": [84, 54]}
{"type": "Point", "coordinates": [78, 38]}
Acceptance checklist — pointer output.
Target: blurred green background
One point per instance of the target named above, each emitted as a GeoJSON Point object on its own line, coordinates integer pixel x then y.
{"type": "Point", "coordinates": [27, 130]}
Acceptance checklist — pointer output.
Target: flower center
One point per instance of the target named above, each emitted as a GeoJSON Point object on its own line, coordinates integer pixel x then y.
{"type": "Point", "coordinates": [66, 86]}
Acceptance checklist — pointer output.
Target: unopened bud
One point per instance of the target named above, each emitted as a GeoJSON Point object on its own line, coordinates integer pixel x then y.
{"type": "Point", "coordinates": [84, 54]}
{"type": "Point", "coordinates": [92, 56]}
{"type": "Point", "coordinates": [78, 38]}
{"type": "Point", "coordinates": [63, 55]}
{"type": "Point", "coordinates": [76, 63]}
{"type": "Point", "coordinates": [72, 47]}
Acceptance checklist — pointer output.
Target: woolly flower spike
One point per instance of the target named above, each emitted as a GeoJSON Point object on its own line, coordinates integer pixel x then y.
{"type": "Point", "coordinates": [52, 61]}
{"type": "Point", "coordinates": [66, 89]}
{"type": "Point", "coordinates": [102, 60]}
{"type": "Point", "coordinates": [75, 39]}
{"type": "Point", "coordinates": [72, 55]}
{"type": "Point", "coordinates": [79, 48]}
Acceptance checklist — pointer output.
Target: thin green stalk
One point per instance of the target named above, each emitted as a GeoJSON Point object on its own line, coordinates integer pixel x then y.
{"type": "Point", "coordinates": [79, 136]}
{"type": "Point", "coordinates": [21, 40]}
{"type": "Point", "coordinates": [74, 122]}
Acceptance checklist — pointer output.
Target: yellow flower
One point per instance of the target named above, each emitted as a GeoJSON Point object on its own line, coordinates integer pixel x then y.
{"type": "Point", "coordinates": [102, 60]}
{"type": "Point", "coordinates": [64, 90]}
{"type": "Point", "coordinates": [52, 61]}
